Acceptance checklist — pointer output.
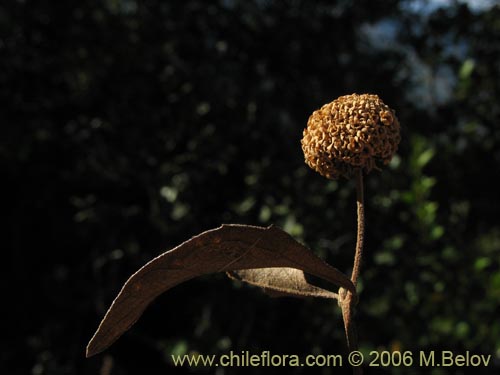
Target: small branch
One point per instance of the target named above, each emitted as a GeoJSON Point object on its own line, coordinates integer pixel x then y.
{"type": "Point", "coordinates": [361, 226]}
{"type": "Point", "coordinates": [346, 300]}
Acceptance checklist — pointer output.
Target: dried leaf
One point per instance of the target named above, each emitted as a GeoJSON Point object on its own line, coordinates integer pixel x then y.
{"type": "Point", "coordinates": [281, 282]}
{"type": "Point", "coordinates": [227, 248]}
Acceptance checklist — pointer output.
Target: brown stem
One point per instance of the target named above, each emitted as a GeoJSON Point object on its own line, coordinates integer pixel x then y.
{"type": "Point", "coordinates": [346, 300]}
{"type": "Point", "coordinates": [361, 226]}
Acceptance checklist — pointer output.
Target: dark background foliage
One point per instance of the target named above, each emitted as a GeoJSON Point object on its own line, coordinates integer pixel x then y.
{"type": "Point", "coordinates": [129, 126]}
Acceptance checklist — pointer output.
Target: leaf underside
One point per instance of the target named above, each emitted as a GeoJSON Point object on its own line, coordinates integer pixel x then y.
{"type": "Point", "coordinates": [227, 248]}
{"type": "Point", "coordinates": [281, 282]}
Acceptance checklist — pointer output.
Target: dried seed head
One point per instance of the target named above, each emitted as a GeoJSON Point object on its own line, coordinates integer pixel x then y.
{"type": "Point", "coordinates": [354, 131]}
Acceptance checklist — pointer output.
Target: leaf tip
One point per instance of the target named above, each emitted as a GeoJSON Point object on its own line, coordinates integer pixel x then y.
{"type": "Point", "coordinates": [93, 348]}
{"type": "Point", "coordinates": [89, 352]}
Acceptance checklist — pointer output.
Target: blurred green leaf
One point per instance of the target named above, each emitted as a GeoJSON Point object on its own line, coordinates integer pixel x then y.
{"type": "Point", "coordinates": [425, 157]}
{"type": "Point", "coordinates": [466, 69]}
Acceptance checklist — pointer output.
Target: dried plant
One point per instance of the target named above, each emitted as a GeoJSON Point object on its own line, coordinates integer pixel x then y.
{"type": "Point", "coordinates": [345, 138]}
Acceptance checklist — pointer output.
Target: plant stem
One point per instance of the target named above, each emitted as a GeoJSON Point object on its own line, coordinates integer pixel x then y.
{"type": "Point", "coordinates": [361, 226]}
{"type": "Point", "coordinates": [346, 300]}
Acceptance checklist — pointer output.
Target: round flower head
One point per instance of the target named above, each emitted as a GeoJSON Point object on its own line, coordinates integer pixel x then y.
{"type": "Point", "coordinates": [354, 131]}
